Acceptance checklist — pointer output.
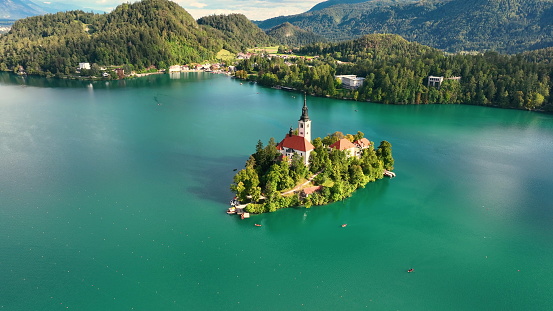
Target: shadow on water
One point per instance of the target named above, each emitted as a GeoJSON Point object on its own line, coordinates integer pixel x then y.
{"type": "Point", "coordinates": [159, 80]}
{"type": "Point", "coordinates": [210, 177]}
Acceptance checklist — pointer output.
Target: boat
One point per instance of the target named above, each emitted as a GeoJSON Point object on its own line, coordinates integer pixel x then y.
{"type": "Point", "coordinates": [410, 270]}
{"type": "Point", "coordinates": [344, 225]}
{"type": "Point", "coordinates": [257, 225]}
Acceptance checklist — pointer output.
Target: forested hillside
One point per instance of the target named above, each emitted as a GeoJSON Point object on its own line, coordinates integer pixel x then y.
{"type": "Point", "coordinates": [238, 31]}
{"type": "Point", "coordinates": [146, 33]}
{"type": "Point", "coordinates": [543, 56]}
{"type": "Point", "coordinates": [290, 35]}
{"type": "Point", "coordinates": [396, 72]}
{"type": "Point", "coordinates": [508, 26]}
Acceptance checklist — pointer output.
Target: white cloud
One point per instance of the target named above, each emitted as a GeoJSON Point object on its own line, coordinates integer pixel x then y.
{"type": "Point", "coordinates": [253, 9]}
{"type": "Point", "coordinates": [197, 5]}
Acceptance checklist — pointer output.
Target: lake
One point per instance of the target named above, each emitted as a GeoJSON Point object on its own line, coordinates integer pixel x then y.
{"type": "Point", "coordinates": [113, 197]}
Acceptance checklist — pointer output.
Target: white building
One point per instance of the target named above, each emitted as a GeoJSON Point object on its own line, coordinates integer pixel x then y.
{"type": "Point", "coordinates": [437, 81]}
{"type": "Point", "coordinates": [175, 68]}
{"type": "Point", "coordinates": [84, 66]}
{"type": "Point", "coordinates": [351, 81]}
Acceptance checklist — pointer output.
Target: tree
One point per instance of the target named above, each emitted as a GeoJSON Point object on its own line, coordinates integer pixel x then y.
{"type": "Point", "coordinates": [298, 170]}
{"type": "Point", "coordinates": [94, 70]}
{"type": "Point", "coordinates": [384, 153]}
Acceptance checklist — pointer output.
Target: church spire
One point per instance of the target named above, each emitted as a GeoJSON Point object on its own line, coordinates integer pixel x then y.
{"type": "Point", "coordinates": [304, 124]}
{"type": "Point", "coordinates": [304, 115]}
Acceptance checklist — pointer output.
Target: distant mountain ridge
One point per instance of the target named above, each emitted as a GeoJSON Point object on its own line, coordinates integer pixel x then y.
{"type": "Point", "coordinates": [291, 35]}
{"type": "Point", "coordinates": [241, 32]}
{"type": "Point", "coordinates": [508, 26]}
{"type": "Point", "coordinates": [17, 9]}
{"type": "Point", "coordinates": [330, 3]}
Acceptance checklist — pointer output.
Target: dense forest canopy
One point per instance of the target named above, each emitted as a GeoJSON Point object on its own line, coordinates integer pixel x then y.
{"type": "Point", "coordinates": [146, 33]}
{"type": "Point", "coordinates": [507, 26]}
{"type": "Point", "coordinates": [396, 72]}
{"type": "Point", "coordinates": [267, 179]}
{"type": "Point", "coordinates": [290, 35]}
{"type": "Point", "coordinates": [239, 32]}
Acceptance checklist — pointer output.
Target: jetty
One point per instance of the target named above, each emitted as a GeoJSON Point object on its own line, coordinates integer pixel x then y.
{"type": "Point", "coordinates": [237, 208]}
{"type": "Point", "coordinates": [389, 174]}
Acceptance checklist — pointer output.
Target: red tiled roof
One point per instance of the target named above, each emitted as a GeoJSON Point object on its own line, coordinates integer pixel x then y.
{"type": "Point", "coordinates": [295, 142]}
{"type": "Point", "coordinates": [342, 144]}
{"type": "Point", "coordinates": [363, 142]}
{"type": "Point", "coordinates": [310, 190]}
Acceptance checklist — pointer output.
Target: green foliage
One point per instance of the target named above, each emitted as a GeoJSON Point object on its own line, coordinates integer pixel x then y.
{"type": "Point", "coordinates": [237, 31]}
{"type": "Point", "coordinates": [146, 34]}
{"type": "Point", "coordinates": [384, 154]}
{"type": "Point", "coordinates": [396, 72]}
{"type": "Point", "coordinates": [290, 35]}
{"type": "Point", "coordinates": [455, 25]}
{"type": "Point", "coordinates": [338, 174]}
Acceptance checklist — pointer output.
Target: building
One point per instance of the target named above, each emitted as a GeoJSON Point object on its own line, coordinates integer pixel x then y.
{"type": "Point", "coordinates": [84, 66]}
{"type": "Point", "coordinates": [244, 55]}
{"type": "Point", "coordinates": [301, 143]}
{"type": "Point", "coordinates": [175, 68]}
{"type": "Point", "coordinates": [120, 73]}
{"type": "Point", "coordinates": [437, 81]}
{"type": "Point", "coordinates": [345, 145]}
{"type": "Point", "coordinates": [351, 82]}
{"type": "Point", "coordinates": [361, 144]}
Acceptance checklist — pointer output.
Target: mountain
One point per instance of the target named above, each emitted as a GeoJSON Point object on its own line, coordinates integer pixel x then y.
{"type": "Point", "coordinates": [330, 3]}
{"type": "Point", "coordinates": [54, 7]}
{"type": "Point", "coordinates": [290, 35]}
{"type": "Point", "coordinates": [142, 34]}
{"type": "Point", "coordinates": [16, 9]}
{"type": "Point", "coordinates": [238, 31]}
{"type": "Point", "coordinates": [509, 26]}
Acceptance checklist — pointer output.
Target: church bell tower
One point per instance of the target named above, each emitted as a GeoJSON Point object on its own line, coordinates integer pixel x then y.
{"type": "Point", "coordinates": [304, 124]}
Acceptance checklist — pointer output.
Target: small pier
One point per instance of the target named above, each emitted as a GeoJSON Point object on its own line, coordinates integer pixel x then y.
{"type": "Point", "coordinates": [238, 209]}
{"type": "Point", "coordinates": [389, 174]}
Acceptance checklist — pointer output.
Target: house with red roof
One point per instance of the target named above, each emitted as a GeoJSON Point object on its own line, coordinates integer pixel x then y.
{"type": "Point", "coordinates": [345, 145]}
{"type": "Point", "coordinates": [361, 144]}
{"type": "Point", "coordinates": [301, 143]}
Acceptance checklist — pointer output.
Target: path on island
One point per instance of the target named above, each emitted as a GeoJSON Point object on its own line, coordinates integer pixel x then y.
{"type": "Point", "coordinates": [302, 185]}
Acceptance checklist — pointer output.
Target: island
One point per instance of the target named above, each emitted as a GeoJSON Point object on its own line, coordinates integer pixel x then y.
{"type": "Point", "coordinates": [299, 171]}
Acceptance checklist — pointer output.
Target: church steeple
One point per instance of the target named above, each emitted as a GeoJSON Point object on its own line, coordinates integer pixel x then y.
{"type": "Point", "coordinates": [304, 115]}
{"type": "Point", "coordinates": [304, 124]}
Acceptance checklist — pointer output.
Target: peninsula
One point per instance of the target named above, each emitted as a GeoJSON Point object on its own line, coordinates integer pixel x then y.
{"type": "Point", "coordinates": [299, 171]}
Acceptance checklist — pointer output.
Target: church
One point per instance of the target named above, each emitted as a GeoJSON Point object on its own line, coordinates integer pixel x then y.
{"type": "Point", "coordinates": [301, 143]}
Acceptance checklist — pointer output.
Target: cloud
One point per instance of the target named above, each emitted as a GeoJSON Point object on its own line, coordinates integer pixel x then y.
{"type": "Point", "coordinates": [253, 9]}
{"type": "Point", "coordinates": [198, 5]}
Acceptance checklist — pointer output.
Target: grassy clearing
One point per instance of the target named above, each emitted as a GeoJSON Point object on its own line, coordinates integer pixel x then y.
{"type": "Point", "coordinates": [268, 49]}
{"type": "Point", "coordinates": [225, 55]}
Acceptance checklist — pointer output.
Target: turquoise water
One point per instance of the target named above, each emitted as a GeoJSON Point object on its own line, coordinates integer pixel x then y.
{"type": "Point", "coordinates": [113, 197]}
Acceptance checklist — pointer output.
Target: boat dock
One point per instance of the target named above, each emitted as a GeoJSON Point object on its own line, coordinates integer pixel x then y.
{"type": "Point", "coordinates": [238, 209]}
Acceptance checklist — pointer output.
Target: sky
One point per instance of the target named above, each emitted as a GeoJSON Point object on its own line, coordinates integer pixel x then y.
{"type": "Point", "coordinates": [253, 9]}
